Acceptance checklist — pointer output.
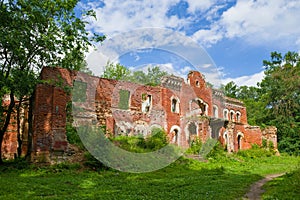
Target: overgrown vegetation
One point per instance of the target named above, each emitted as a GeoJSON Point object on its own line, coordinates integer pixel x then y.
{"type": "Point", "coordinates": [285, 187]}
{"type": "Point", "coordinates": [140, 144]}
{"type": "Point", "coordinates": [35, 34]}
{"type": "Point", "coordinates": [190, 179]}
{"type": "Point", "coordinates": [120, 72]}
{"type": "Point", "coordinates": [276, 100]}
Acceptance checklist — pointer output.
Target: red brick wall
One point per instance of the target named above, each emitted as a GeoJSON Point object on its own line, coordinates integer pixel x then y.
{"type": "Point", "coordinates": [101, 107]}
{"type": "Point", "coordinates": [10, 144]}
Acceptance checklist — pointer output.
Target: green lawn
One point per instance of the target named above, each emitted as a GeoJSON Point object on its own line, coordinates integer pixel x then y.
{"type": "Point", "coordinates": [227, 178]}
{"type": "Point", "coordinates": [285, 187]}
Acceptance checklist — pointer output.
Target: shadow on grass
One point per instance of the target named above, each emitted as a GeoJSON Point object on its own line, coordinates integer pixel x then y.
{"type": "Point", "coordinates": [184, 179]}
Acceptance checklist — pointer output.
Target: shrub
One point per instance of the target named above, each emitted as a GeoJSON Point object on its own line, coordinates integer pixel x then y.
{"type": "Point", "coordinates": [195, 146]}
{"type": "Point", "coordinates": [93, 163]}
{"type": "Point", "coordinates": [217, 152]}
{"type": "Point", "coordinates": [138, 144]}
{"type": "Point", "coordinates": [264, 143]}
{"type": "Point", "coordinates": [255, 152]}
{"type": "Point", "coordinates": [157, 140]}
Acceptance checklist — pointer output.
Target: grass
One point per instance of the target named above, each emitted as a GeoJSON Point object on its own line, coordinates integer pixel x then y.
{"type": "Point", "coordinates": [226, 178]}
{"type": "Point", "coordinates": [285, 187]}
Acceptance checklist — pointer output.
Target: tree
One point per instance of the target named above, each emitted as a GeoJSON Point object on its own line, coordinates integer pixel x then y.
{"type": "Point", "coordinates": [120, 72]}
{"type": "Point", "coordinates": [281, 92]}
{"type": "Point", "coordinates": [230, 89]}
{"type": "Point", "coordinates": [154, 75]}
{"type": "Point", "coordinates": [34, 34]}
{"type": "Point", "coordinates": [116, 72]}
{"type": "Point", "coordinates": [276, 100]}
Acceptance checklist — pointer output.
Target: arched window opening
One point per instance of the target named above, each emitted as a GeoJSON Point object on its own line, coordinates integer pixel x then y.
{"type": "Point", "coordinates": [239, 140]}
{"type": "Point", "coordinates": [199, 106]}
{"type": "Point", "coordinates": [225, 136]}
{"type": "Point", "coordinates": [197, 83]}
{"type": "Point", "coordinates": [192, 132]}
{"type": "Point", "coordinates": [238, 117]}
{"type": "Point", "coordinates": [231, 116]}
{"type": "Point", "coordinates": [146, 103]}
{"type": "Point", "coordinates": [175, 105]}
{"type": "Point", "coordinates": [215, 111]}
{"type": "Point", "coordinates": [175, 136]}
{"type": "Point", "coordinates": [225, 113]}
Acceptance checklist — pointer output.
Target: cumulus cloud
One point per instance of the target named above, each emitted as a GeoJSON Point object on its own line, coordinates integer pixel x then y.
{"type": "Point", "coordinates": [250, 80]}
{"type": "Point", "coordinates": [257, 22]}
{"type": "Point", "coordinates": [199, 5]}
{"type": "Point", "coordinates": [118, 16]}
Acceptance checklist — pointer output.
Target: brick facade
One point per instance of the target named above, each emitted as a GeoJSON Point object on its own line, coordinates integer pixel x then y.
{"type": "Point", "coordinates": [185, 110]}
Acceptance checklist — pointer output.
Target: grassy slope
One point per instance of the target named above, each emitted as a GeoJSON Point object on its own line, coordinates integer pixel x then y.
{"type": "Point", "coordinates": [229, 178]}
{"type": "Point", "coordinates": [285, 187]}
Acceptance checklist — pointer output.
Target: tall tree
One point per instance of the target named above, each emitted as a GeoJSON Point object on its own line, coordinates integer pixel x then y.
{"type": "Point", "coordinates": [120, 72]}
{"type": "Point", "coordinates": [281, 92]}
{"type": "Point", "coordinates": [116, 71]}
{"type": "Point", "coordinates": [34, 34]}
{"type": "Point", "coordinates": [230, 89]}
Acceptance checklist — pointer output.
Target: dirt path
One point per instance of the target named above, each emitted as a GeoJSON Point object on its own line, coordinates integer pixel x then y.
{"type": "Point", "coordinates": [256, 190]}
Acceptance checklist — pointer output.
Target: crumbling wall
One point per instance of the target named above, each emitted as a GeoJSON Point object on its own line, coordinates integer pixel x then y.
{"type": "Point", "coordinates": [131, 109]}
{"type": "Point", "coordinates": [10, 140]}
{"type": "Point", "coordinates": [49, 124]}
{"type": "Point", "coordinates": [270, 135]}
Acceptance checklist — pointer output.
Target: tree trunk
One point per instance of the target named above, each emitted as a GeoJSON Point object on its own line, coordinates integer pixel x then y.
{"type": "Point", "coordinates": [6, 123]}
{"type": "Point", "coordinates": [19, 150]}
{"type": "Point", "coordinates": [30, 126]}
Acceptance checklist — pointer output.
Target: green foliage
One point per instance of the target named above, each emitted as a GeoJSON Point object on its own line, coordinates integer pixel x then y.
{"type": "Point", "coordinates": [139, 144]}
{"type": "Point", "coordinates": [124, 99]}
{"type": "Point", "coordinates": [195, 146]}
{"type": "Point", "coordinates": [255, 152]}
{"type": "Point", "coordinates": [35, 34]}
{"type": "Point", "coordinates": [290, 145]}
{"type": "Point", "coordinates": [276, 100]}
{"type": "Point", "coordinates": [264, 143]}
{"type": "Point", "coordinates": [230, 89]}
{"type": "Point", "coordinates": [285, 187]}
{"type": "Point", "coordinates": [120, 72]}
{"type": "Point", "coordinates": [92, 163]}
{"type": "Point", "coordinates": [65, 181]}
{"type": "Point", "coordinates": [157, 140]}
{"type": "Point", "coordinates": [116, 72]}
{"type": "Point", "coordinates": [217, 152]}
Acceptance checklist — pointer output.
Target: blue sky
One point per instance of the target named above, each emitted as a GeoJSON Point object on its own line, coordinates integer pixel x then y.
{"type": "Point", "coordinates": [237, 34]}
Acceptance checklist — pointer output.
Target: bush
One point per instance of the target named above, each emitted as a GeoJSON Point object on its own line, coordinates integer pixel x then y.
{"type": "Point", "coordinates": [255, 152]}
{"type": "Point", "coordinates": [93, 163]}
{"type": "Point", "coordinates": [290, 145]}
{"type": "Point", "coordinates": [217, 152]}
{"type": "Point", "coordinates": [72, 136]}
{"type": "Point", "coordinates": [157, 140]}
{"type": "Point", "coordinates": [130, 143]}
{"type": "Point", "coordinates": [138, 144]}
{"type": "Point", "coordinates": [195, 146]}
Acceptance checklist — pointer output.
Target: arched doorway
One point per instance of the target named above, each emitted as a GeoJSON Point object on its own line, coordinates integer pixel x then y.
{"type": "Point", "coordinates": [239, 140]}
{"type": "Point", "coordinates": [192, 132]}
{"type": "Point", "coordinates": [175, 134]}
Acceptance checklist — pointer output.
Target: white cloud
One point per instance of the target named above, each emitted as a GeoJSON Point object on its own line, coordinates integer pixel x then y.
{"type": "Point", "coordinates": [199, 5]}
{"type": "Point", "coordinates": [119, 15]}
{"type": "Point", "coordinates": [185, 70]}
{"type": "Point", "coordinates": [208, 37]}
{"type": "Point", "coordinates": [259, 22]}
{"type": "Point", "coordinates": [250, 80]}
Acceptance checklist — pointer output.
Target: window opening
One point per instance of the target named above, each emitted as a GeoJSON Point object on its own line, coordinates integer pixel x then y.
{"type": "Point", "coordinates": [146, 102]}
{"type": "Point", "coordinates": [124, 99]}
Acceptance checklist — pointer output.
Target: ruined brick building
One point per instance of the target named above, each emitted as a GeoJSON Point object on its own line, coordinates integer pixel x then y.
{"type": "Point", "coordinates": [186, 110]}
